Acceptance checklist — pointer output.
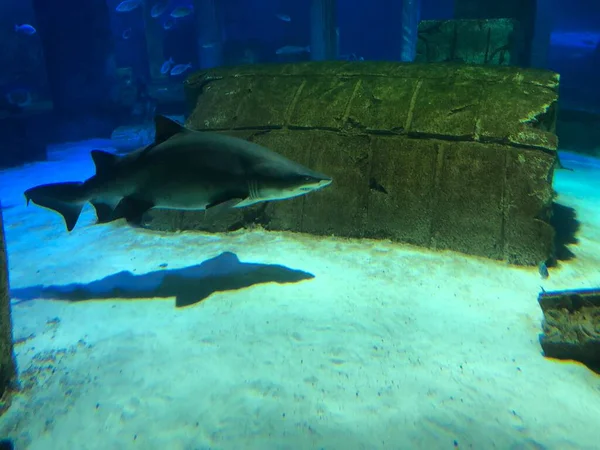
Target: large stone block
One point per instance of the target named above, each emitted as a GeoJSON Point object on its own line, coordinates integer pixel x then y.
{"type": "Point", "coordinates": [477, 41]}
{"type": "Point", "coordinates": [430, 154]}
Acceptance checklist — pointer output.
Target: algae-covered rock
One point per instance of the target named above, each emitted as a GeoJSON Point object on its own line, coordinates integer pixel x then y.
{"type": "Point", "coordinates": [439, 155]}
{"type": "Point", "coordinates": [475, 41]}
{"type": "Point", "coordinates": [572, 326]}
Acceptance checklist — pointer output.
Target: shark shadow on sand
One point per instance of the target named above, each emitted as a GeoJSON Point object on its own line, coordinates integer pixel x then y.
{"type": "Point", "coordinates": [189, 285]}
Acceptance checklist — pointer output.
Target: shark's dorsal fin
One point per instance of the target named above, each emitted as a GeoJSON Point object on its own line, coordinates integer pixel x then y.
{"type": "Point", "coordinates": [104, 161]}
{"type": "Point", "coordinates": [166, 128]}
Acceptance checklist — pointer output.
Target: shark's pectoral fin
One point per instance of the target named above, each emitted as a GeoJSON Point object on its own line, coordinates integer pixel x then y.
{"type": "Point", "coordinates": [132, 209]}
{"type": "Point", "coordinates": [104, 212]}
{"type": "Point", "coordinates": [221, 205]}
{"type": "Point", "coordinates": [226, 204]}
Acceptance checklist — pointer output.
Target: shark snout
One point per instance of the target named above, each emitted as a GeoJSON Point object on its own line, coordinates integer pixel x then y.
{"type": "Point", "coordinates": [326, 181]}
{"type": "Point", "coordinates": [316, 181]}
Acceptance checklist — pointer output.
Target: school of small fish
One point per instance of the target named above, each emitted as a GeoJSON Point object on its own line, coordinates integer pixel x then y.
{"type": "Point", "coordinates": [19, 97]}
{"type": "Point", "coordinates": [166, 66]}
{"type": "Point", "coordinates": [159, 8]}
{"type": "Point", "coordinates": [25, 29]}
{"type": "Point", "coordinates": [181, 11]}
{"type": "Point", "coordinates": [180, 68]}
{"type": "Point", "coordinates": [128, 5]}
{"type": "Point", "coordinates": [157, 11]}
{"type": "Point", "coordinates": [168, 24]}
{"type": "Point", "coordinates": [167, 15]}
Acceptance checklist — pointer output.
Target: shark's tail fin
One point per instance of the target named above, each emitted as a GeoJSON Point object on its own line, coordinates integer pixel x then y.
{"type": "Point", "coordinates": [64, 198]}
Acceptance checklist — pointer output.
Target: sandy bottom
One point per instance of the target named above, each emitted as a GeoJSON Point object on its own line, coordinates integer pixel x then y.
{"type": "Point", "coordinates": [387, 346]}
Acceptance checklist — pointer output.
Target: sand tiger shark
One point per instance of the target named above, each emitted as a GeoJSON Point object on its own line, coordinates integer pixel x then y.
{"type": "Point", "coordinates": [181, 169]}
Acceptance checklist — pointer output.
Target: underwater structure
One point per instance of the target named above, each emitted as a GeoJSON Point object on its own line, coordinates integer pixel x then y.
{"type": "Point", "coordinates": [323, 39]}
{"type": "Point", "coordinates": [572, 326]}
{"type": "Point", "coordinates": [442, 156]}
{"type": "Point", "coordinates": [469, 41]}
{"type": "Point", "coordinates": [522, 11]}
{"type": "Point", "coordinates": [8, 370]}
{"type": "Point", "coordinates": [25, 101]}
{"type": "Point", "coordinates": [411, 10]}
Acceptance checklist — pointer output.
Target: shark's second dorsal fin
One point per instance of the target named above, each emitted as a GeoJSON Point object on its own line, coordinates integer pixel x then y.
{"type": "Point", "coordinates": [104, 161]}
{"type": "Point", "coordinates": [166, 128]}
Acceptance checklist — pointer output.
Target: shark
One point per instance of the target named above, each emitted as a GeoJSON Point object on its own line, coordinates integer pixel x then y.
{"type": "Point", "coordinates": [182, 169]}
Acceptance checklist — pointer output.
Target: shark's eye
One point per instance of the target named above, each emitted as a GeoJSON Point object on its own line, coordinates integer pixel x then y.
{"type": "Point", "coordinates": [308, 179]}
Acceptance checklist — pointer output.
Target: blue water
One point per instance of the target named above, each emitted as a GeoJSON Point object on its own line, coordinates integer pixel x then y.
{"type": "Point", "coordinates": [133, 338]}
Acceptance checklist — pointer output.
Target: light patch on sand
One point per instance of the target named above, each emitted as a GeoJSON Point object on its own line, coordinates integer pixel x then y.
{"type": "Point", "coordinates": [389, 346]}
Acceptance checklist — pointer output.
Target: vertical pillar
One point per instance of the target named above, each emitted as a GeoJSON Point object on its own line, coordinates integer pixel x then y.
{"type": "Point", "coordinates": [210, 43]}
{"type": "Point", "coordinates": [411, 12]}
{"type": "Point", "coordinates": [77, 52]}
{"type": "Point", "coordinates": [323, 36]}
{"type": "Point", "coordinates": [540, 45]}
{"type": "Point", "coordinates": [154, 43]}
{"type": "Point", "coordinates": [8, 371]}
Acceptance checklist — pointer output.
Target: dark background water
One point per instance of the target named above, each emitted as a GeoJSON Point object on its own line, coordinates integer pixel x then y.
{"type": "Point", "coordinates": [86, 78]}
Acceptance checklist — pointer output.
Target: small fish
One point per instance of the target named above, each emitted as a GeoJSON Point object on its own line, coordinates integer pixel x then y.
{"type": "Point", "coordinates": [543, 270]}
{"type": "Point", "coordinates": [209, 45]}
{"type": "Point", "coordinates": [128, 5]}
{"type": "Point", "coordinates": [168, 24]}
{"type": "Point", "coordinates": [25, 29]}
{"type": "Point", "coordinates": [159, 9]}
{"type": "Point", "coordinates": [283, 17]}
{"type": "Point", "coordinates": [180, 68]}
{"type": "Point", "coordinates": [181, 11]}
{"type": "Point", "coordinates": [292, 50]}
{"type": "Point", "coordinates": [19, 97]}
{"type": "Point", "coordinates": [166, 66]}
{"type": "Point", "coordinates": [126, 34]}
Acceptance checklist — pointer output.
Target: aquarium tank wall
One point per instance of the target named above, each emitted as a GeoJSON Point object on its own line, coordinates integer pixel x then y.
{"type": "Point", "coordinates": [127, 61]}
{"type": "Point", "coordinates": [319, 224]}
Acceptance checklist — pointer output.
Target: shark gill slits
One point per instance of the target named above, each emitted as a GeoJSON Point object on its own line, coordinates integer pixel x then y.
{"type": "Point", "coordinates": [253, 189]}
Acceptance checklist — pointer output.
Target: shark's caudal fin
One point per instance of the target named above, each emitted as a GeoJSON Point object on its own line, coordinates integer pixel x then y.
{"type": "Point", "coordinates": [64, 198]}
